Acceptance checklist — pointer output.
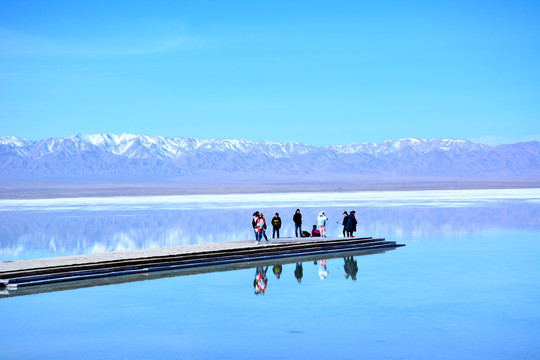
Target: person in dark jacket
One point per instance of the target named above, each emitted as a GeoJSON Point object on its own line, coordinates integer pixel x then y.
{"type": "Point", "coordinates": [344, 223]}
{"type": "Point", "coordinates": [297, 218]}
{"type": "Point", "coordinates": [254, 224]}
{"type": "Point", "coordinates": [351, 224]}
{"type": "Point", "coordinates": [276, 224]}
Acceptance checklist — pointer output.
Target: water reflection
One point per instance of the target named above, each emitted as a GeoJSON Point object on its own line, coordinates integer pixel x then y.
{"type": "Point", "coordinates": [323, 270]}
{"type": "Point", "coordinates": [351, 267]}
{"type": "Point", "coordinates": [277, 270]}
{"type": "Point", "coordinates": [261, 281]}
{"type": "Point", "coordinates": [30, 229]}
{"type": "Point", "coordinates": [31, 234]}
{"type": "Point", "coordinates": [299, 272]}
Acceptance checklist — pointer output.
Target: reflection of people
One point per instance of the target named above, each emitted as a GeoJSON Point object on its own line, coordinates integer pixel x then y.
{"type": "Point", "coordinates": [260, 281]}
{"type": "Point", "coordinates": [323, 270]}
{"type": "Point", "coordinates": [351, 224]}
{"type": "Point", "coordinates": [351, 267]}
{"type": "Point", "coordinates": [254, 223]}
{"type": "Point", "coordinates": [277, 270]}
{"type": "Point", "coordinates": [321, 220]}
{"type": "Point", "coordinates": [276, 224]}
{"type": "Point", "coordinates": [299, 272]}
{"type": "Point", "coordinates": [344, 223]}
{"type": "Point", "coordinates": [315, 232]}
{"type": "Point", "coordinates": [297, 218]}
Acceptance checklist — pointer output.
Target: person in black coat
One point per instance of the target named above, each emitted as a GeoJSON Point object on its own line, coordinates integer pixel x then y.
{"type": "Point", "coordinates": [297, 218]}
{"type": "Point", "coordinates": [351, 224]}
{"type": "Point", "coordinates": [276, 224]}
{"type": "Point", "coordinates": [254, 224]}
{"type": "Point", "coordinates": [344, 223]}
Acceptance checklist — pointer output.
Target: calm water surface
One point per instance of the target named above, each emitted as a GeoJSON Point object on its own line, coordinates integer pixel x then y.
{"type": "Point", "coordinates": [466, 286]}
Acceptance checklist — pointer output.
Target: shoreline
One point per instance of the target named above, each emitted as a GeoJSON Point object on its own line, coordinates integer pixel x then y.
{"type": "Point", "coordinates": [92, 190]}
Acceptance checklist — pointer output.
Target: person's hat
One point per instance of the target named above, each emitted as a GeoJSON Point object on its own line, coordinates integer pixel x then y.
{"type": "Point", "coordinates": [345, 212]}
{"type": "Point", "coordinates": [255, 213]}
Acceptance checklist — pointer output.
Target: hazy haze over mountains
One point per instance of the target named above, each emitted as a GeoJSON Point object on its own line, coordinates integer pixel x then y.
{"type": "Point", "coordinates": [141, 155]}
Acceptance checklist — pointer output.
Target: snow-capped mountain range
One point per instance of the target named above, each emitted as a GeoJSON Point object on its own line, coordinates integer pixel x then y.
{"type": "Point", "coordinates": [129, 154]}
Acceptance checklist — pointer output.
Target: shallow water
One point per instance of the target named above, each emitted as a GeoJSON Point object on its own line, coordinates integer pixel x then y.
{"type": "Point", "coordinates": [56, 227]}
{"type": "Point", "coordinates": [466, 286]}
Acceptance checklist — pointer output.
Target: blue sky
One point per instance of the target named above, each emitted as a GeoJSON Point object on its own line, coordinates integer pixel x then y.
{"type": "Point", "coordinates": [318, 72]}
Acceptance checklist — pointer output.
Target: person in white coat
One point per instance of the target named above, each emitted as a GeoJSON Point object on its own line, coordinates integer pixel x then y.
{"type": "Point", "coordinates": [321, 220]}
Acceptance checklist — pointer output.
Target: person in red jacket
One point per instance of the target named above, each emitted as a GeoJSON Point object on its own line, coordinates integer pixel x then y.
{"type": "Point", "coordinates": [261, 227]}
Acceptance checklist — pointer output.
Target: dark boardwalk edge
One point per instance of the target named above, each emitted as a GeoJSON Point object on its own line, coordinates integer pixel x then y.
{"type": "Point", "coordinates": [142, 276]}
{"type": "Point", "coordinates": [23, 273]}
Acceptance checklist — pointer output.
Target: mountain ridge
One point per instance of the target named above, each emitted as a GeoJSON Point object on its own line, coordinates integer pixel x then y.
{"type": "Point", "coordinates": [129, 154]}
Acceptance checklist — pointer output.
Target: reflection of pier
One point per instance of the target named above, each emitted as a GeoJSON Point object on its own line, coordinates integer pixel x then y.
{"type": "Point", "coordinates": [193, 258]}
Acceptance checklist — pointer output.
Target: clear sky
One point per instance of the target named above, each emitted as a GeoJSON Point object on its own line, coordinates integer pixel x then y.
{"type": "Point", "coordinates": [318, 72]}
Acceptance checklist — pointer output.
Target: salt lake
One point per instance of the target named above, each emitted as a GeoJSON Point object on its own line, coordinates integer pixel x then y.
{"type": "Point", "coordinates": [467, 285]}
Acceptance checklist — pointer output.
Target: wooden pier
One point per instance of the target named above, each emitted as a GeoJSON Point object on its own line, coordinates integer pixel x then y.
{"type": "Point", "coordinates": [38, 272]}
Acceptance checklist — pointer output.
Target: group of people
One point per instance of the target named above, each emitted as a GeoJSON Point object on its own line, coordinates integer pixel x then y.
{"type": "Point", "coordinates": [349, 224]}
{"type": "Point", "coordinates": [259, 225]}
{"type": "Point", "coordinates": [321, 221]}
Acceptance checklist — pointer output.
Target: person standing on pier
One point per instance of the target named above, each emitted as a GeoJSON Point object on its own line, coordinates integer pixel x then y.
{"type": "Point", "coordinates": [263, 227]}
{"type": "Point", "coordinates": [254, 224]}
{"type": "Point", "coordinates": [321, 220]}
{"type": "Point", "coordinates": [297, 218]}
{"type": "Point", "coordinates": [344, 223]}
{"type": "Point", "coordinates": [351, 224]}
{"type": "Point", "coordinates": [276, 224]}
{"type": "Point", "coordinates": [259, 227]}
